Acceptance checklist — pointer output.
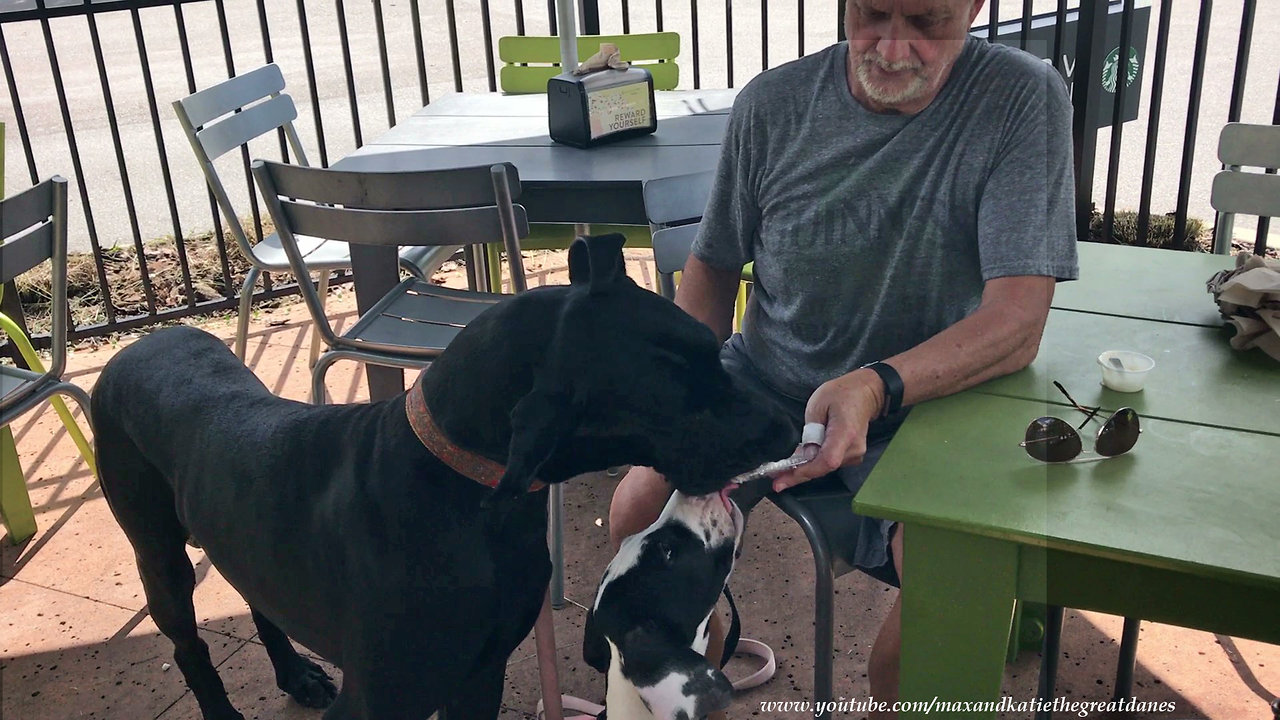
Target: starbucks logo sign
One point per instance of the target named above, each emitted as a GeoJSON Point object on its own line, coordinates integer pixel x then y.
{"type": "Point", "coordinates": [1111, 69]}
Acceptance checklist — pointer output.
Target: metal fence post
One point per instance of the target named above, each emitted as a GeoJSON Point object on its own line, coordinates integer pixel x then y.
{"type": "Point", "coordinates": [1086, 95]}
{"type": "Point", "coordinates": [589, 17]}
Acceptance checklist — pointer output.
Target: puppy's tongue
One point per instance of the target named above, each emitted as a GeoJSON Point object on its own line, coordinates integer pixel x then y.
{"type": "Point", "coordinates": [724, 497]}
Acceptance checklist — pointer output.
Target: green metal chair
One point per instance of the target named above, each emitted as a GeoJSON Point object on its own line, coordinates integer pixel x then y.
{"type": "Point", "coordinates": [33, 230]}
{"type": "Point", "coordinates": [531, 60]}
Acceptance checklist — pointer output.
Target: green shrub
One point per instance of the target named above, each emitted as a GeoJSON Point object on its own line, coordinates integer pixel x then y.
{"type": "Point", "coordinates": [1124, 231]}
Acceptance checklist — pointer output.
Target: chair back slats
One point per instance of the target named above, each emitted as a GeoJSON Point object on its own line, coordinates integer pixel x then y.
{"type": "Point", "coordinates": [405, 227]}
{"type": "Point", "coordinates": [677, 199]}
{"type": "Point", "coordinates": [26, 209]}
{"type": "Point", "coordinates": [46, 204]}
{"type": "Point", "coordinates": [238, 129]}
{"type": "Point", "coordinates": [1247, 145]}
{"type": "Point", "coordinates": [546, 48]}
{"type": "Point", "coordinates": [425, 208]}
{"type": "Point", "coordinates": [33, 229]}
{"type": "Point", "coordinates": [232, 94]}
{"type": "Point", "coordinates": [1247, 193]}
{"type": "Point", "coordinates": [532, 79]}
{"type": "Point", "coordinates": [534, 59]}
{"type": "Point", "coordinates": [671, 247]}
{"type": "Point", "coordinates": [21, 253]}
{"type": "Point", "coordinates": [213, 127]}
{"type": "Point", "coordinates": [419, 190]}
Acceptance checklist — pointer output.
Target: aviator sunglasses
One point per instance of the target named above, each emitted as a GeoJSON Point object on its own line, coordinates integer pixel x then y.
{"type": "Point", "coordinates": [1051, 439]}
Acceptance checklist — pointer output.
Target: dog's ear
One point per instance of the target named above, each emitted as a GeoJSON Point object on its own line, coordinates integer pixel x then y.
{"type": "Point", "coordinates": [607, 266]}
{"type": "Point", "coordinates": [539, 421]}
{"type": "Point", "coordinates": [673, 680]}
{"type": "Point", "coordinates": [579, 262]}
{"type": "Point", "coordinates": [595, 649]}
{"type": "Point", "coordinates": [597, 260]}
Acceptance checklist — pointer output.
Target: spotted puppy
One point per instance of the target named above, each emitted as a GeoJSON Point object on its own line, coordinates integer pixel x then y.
{"type": "Point", "coordinates": [648, 628]}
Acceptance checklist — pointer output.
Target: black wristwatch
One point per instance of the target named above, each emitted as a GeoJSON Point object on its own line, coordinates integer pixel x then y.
{"type": "Point", "coordinates": [892, 386]}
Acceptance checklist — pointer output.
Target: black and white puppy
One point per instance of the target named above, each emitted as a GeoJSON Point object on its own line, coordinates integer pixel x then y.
{"type": "Point", "coordinates": [648, 628]}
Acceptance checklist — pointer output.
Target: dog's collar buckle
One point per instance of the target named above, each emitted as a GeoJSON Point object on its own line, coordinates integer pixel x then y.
{"type": "Point", "coordinates": [477, 467]}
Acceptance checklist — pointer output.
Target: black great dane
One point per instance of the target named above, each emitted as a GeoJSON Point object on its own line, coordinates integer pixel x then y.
{"type": "Point", "coordinates": [343, 531]}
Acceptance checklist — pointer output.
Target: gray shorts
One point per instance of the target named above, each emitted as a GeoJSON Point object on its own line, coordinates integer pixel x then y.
{"type": "Point", "coordinates": [869, 537]}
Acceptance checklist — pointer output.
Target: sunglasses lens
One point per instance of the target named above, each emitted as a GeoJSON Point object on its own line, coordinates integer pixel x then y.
{"type": "Point", "coordinates": [1049, 439]}
{"type": "Point", "coordinates": [1119, 434]}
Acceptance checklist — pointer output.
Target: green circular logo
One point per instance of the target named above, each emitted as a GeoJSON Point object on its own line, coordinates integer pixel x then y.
{"type": "Point", "coordinates": [1110, 69]}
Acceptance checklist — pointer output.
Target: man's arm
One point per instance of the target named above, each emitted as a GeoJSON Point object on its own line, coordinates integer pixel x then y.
{"type": "Point", "coordinates": [708, 294]}
{"type": "Point", "coordinates": [1000, 337]}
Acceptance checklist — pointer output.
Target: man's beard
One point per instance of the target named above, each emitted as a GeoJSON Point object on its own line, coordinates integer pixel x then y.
{"type": "Point", "coordinates": [889, 97]}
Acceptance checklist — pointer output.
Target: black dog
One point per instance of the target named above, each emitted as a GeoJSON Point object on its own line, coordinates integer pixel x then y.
{"type": "Point", "coordinates": [342, 531]}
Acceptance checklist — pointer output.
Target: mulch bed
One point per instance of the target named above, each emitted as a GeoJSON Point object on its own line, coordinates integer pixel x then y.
{"type": "Point", "coordinates": [164, 267]}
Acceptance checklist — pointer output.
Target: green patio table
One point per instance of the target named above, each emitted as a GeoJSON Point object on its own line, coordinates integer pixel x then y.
{"type": "Point", "coordinates": [1143, 282]}
{"type": "Point", "coordinates": [1197, 378]}
{"type": "Point", "coordinates": [1181, 530]}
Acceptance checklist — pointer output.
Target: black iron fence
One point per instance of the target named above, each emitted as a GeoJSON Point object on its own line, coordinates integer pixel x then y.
{"type": "Point", "coordinates": [75, 68]}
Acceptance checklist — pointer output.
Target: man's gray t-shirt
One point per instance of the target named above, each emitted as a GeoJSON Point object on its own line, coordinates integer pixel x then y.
{"type": "Point", "coordinates": [873, 232]}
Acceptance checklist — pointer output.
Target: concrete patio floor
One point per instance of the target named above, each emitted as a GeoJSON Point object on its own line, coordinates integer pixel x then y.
{"type": "Point", "coordinates": [76, 640]}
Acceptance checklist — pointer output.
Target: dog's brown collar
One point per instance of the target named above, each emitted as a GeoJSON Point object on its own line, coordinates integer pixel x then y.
{"type": "Point", "coordinates": [477, 467]}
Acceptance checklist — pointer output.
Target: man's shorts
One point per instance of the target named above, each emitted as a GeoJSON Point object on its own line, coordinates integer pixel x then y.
{"type": "Point", "coordinates": [872, 553]}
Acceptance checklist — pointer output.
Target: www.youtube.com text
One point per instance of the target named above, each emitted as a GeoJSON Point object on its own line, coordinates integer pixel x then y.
{"type": "Point", "coordinates": [1006, 704]}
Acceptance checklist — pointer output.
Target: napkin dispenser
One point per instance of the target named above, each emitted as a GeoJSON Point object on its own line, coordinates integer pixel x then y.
{"type": "Point", "coordinates": [601, 107]}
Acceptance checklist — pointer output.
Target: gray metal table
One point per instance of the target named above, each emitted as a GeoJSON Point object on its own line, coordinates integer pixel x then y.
{"type": "Point", "coordinates": [559, 183]}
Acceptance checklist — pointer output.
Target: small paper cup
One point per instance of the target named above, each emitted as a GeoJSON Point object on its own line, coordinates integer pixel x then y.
{"type": "Point", "coordinates": [1134, 372]}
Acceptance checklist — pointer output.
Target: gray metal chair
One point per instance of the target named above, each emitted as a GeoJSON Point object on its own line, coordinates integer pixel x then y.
{"type": "Point", "coordinates": [823, 508]}
{"type": "Point", "coordinates": [33, 229]}
{"type": "Point", "coordinates": [227, 116]}
{"type": "Point", "coordinates": [1237, 191]}
{"type": "Point", "coordinates": [413, 323]}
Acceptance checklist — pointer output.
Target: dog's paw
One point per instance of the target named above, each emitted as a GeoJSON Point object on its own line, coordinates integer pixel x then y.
{"type": "Point", "coordinates": [310, 685]}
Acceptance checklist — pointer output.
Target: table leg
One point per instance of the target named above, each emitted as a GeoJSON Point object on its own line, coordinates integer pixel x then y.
{"type": "Point", "coordinates": [957, 606]}
{"type": "Point", "coordinates": [15, 503]}
{"type": "Point", "coordinates": [555, 522]}
{"type": "Point", "coordinates": [376, 271]}
{"type": "Point", "coordinates": [544, 643]}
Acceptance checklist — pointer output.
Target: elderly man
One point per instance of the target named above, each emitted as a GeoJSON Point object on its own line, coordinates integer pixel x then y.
{"type": "Point", "coordinates": [907, 199]}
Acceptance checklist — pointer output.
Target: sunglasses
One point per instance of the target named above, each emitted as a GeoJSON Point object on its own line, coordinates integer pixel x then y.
{"type": "Point", "coordinates": [1051, 439]}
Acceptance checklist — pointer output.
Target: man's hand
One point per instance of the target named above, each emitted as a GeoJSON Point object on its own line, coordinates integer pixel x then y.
{"type": "Point", "coordinates": [846, 406]}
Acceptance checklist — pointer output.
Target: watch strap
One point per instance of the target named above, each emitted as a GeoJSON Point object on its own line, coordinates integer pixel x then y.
{"type": "Point", "coordinates": [893, 387]}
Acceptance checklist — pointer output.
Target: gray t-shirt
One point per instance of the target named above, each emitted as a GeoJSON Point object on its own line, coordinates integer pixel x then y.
{"type": "Point", "coordinates": [873, 232]}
